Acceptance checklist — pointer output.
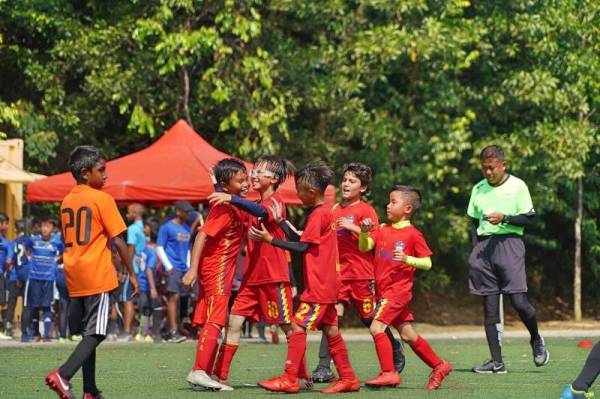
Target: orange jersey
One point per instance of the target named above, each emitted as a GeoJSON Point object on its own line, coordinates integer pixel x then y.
{"type": "Point", "coordinates": [89, 219]}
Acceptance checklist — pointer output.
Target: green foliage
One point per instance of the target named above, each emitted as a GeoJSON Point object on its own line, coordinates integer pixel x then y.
{"type": "Point", "coordinates": [413, 88]}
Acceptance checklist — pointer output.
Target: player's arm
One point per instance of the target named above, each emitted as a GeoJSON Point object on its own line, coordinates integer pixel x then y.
{"type": "Point", "coordinates": [522, 220]}
{"type": "Point", "coordinates": [126, 260]}
{"type": "Point", "coordinates": [161, 242]}
{"type": "Point", "coordinates": [423, 263]}
{"type": "Point", "coordinates": [365, 241]}
{"type": "Point", "coordinates": [263, 235]}
{"type": "Point", "coordinates": [474, 226]}
{"type": "Point", "coordinates": [251, 207]}
{"type": "Point", "coordinates": [190, 277]}
{"type": "Point", "coordinates": [151, 283]}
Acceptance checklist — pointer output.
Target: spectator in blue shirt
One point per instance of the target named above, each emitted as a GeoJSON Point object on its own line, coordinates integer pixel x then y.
{"type": "Point", "coordinates": [5, 262]}
{"type": "Point", "coordinates": [173, 250]}
{"type": "Point", "coordinates": [45, 251]}
{"type": "Point", "coordinates": [136, 241]}
{"type": "Point", "coordinates": [17, 276]}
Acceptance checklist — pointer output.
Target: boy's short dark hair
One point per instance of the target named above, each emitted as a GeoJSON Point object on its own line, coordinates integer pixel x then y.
{"type": "Point", "coordinates": [84, 157]}
{"type": "Point", "coordinates": [154, 225]}
{"type": "Point", "coordinates": [51, 221]}
{"type": "Point", "coordinates": [317, 175]}
{"type": "Point", "coordinates": [413, 195]}
{"type": "Point", "coordinates": [4, 217]}
{"type": "Point", "coordinates": [362, 172]}
{"type": "Point", "coordinates": [226, 168]}
{"type": "Point", "coordinates": [281, 168]}
{"type": "Point", "coordinates": [493, 151]}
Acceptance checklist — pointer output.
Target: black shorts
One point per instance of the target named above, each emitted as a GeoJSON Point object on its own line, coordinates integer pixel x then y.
{"type": "Point", "coordinates": [175, 284]}
{"type": "Point", "coordinates": [39, 293]}
{"type": "Point", "coordinates": [88, 315]}
{"type": "Point", "coordinates": [497, 265]}
{"type": "Point", "coordinates": [3, 290]}
{"type": "Point", "coordinates": [15, 290]}
{"type": "Point", "coordinates": [146, 304]}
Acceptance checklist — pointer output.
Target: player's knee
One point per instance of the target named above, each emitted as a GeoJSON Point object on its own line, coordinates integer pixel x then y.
{"type": "Point", "coordinates": [377, 327]}
{"type": "Point", "coordinates": [521, 304]}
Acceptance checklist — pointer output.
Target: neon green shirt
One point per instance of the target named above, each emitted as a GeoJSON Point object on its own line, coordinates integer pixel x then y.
{"type": "Point", "coordinates": [510, 198]}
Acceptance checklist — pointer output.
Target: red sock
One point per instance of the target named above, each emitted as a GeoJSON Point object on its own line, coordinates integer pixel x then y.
{"type": "Point", "coordinates": [296, 353]}
{"type": "Point", "coordinates": [385, 352]}
{"type": "Point", "coordinates": [223, 364]}
{"type": "Point", "coordinates": [206, 349]}
{"type": "Point", "coordinates": [425, 353]}
{"type": "Point", "coordinates": [339, 353]}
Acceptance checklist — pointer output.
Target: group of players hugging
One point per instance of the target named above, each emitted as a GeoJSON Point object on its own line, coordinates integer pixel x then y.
{"type": "Point", "coordinates": [349, 258]}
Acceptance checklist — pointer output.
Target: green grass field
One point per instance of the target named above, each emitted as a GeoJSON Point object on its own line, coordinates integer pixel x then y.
{"type": "Point", "coordinates": [159, 370]}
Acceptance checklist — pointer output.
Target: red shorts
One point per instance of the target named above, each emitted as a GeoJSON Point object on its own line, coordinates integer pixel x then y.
{"type": "Point", "coordinates": [312, 316]}
{"type": "Point", "coordinates": [271, 301]}
{"type": "Point", "coordinates": [392, 313]}
{"type": "Point", "coordinates": [361, 294]}
{"type": "Point", "coordinates": [211, 309]}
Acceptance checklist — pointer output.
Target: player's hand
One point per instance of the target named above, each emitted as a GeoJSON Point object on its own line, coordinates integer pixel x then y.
{"type": "Point", "coordinates": [218, 198]}
{"type": "Point", "coordinates": [153, 293]}
{"type": "Point", "coordinates": [260, 235]}
{"type": "Point", "coordinates": [277, 211]}
{"type": "Point", "coordinates": [399, 255]}
{"type": "Point", "coordinates": [189, 279]}
{"type": "Point", "coordinates": [135, 286]}
{"type": "Point", "coordinates": [366, 225]}
{"type": "Point", "coordinates": [348, 224]}
{"type": "Point", "coordinates": [494, 218]}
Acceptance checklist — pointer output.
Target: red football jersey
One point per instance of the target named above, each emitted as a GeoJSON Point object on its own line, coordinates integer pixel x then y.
{"type": "Point", "coordinates": [321, 268]}
{"type": "Point", "coordinates": [356, 265]}
{"type": "Point", "coordinates": [394, 278]}
{"type": "Point", "coordinates": [224, 227]}
{"type": "Point", "coordinates": [266, 263]}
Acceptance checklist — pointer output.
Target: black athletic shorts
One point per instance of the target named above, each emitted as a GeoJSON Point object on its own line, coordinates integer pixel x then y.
{"type": "Point", "coordinates": [88, 315]}
{"type": "Point", "coordinates": [3, 289]}
{"type": "Point", "coordinates": [497, 265]}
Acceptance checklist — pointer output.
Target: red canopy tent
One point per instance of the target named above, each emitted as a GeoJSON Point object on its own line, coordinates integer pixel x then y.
{"type": "Point", "coordinates": [172, 168]}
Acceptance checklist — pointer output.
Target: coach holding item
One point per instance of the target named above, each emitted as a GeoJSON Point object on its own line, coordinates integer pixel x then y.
{"type": "Point", "coordinates": [500, 206]}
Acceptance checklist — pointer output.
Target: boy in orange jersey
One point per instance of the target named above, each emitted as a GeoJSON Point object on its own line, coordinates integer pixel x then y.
{"type": "Point", "coordinates": [400, 249]}
{"type": "Point", "coordinates": [213, 261]}
{"type": "Point", "coordinates": [357, 273]}
{"type": "Point", "coordinates": [316, 310]}
{"type": "Point", "coordinates": [265, 290]}
{"type": "Point", "coordinates": [89, 219]}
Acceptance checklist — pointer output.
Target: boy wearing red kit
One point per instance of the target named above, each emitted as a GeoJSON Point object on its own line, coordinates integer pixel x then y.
{"type": "Point", "coordinates": [265, 290]}
{"type": "Point", "coordinates": [316, 310]}
{"type": "Point", "coordinates": [400, 249]}
{"type": "Point", "coordinates": [357, 273]}
{"type": "Point", "coordinates": [213, 259]}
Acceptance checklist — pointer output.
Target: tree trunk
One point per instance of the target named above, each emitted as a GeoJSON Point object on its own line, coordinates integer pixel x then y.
{"type": "Point", "coordinates": [577, 279]}
{"type": "Point", "coordinates": [186, 95]}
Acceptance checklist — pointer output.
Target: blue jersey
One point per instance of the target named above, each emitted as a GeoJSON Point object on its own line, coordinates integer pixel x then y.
{"type": "Point", "coordinates": [136, 237]}
{"type": "Point", "coordinates": [20, 261]}
{"type": "Point", "coordinates": [175, 239]}
{"type": "Point", "coordinates": [147, 261]}
{"type": "Point", "coordinates": [43, 263]}
{"type": "Point", "coordinates": [6, 253]}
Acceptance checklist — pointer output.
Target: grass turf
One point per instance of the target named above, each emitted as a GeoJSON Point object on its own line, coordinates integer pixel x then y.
{"type": "Point", "coordinates": [159, 370]}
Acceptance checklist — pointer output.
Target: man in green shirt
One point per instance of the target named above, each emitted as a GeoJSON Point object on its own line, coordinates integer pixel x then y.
{"type": "Point", "coordinates": [500, 207]}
